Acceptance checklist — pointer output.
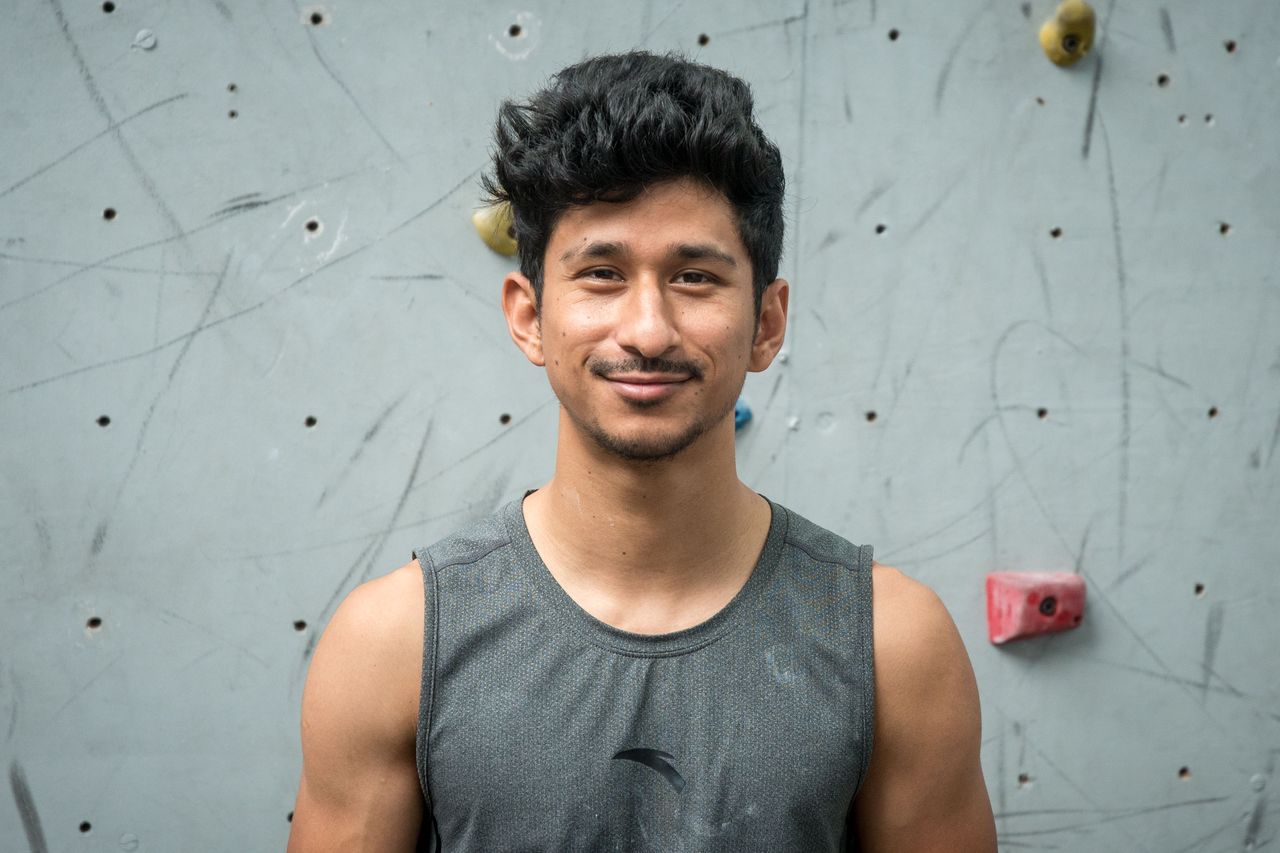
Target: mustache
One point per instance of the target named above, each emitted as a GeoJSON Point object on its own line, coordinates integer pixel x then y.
{"type": "Point", "coordinates": [605, 368]}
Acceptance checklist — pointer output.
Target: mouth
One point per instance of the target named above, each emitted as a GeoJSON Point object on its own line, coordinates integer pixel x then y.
{"type": "Point", "coordinates": [648, 378]}
{"type": "Point", "coordinates": [646, 387]}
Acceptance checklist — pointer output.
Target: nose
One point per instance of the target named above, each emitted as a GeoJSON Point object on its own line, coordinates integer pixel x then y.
{"type": "Point", "coordinates": [646, 325]}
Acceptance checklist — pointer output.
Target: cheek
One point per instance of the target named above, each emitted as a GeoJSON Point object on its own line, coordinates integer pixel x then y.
{"type": "Point", "coordinates": [584, 331]}
{"type": "Point", "coordinates": [732, 343]}
{"type": "Point", "coordinates": [568, 340]}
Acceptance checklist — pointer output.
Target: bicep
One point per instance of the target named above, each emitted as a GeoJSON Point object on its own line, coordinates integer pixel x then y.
{"type": "Point", "coordinates": [924, 789]}
{"type": "Point", "coordinates": [359, 788]}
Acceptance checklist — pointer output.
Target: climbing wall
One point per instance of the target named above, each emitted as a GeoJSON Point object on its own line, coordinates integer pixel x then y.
{"type": "Point", "coordinates": [251, 355]}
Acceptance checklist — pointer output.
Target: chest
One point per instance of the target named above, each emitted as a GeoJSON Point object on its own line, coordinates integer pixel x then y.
{"type": "Point", "coordinates": [759, 737]}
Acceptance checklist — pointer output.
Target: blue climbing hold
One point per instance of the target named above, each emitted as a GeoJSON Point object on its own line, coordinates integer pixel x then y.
{"type": "Point", "coordinates": [741, 414]}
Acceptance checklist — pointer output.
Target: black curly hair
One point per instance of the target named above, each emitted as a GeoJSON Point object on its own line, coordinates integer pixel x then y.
{"type": "Point", "coordinates": [607, 127]}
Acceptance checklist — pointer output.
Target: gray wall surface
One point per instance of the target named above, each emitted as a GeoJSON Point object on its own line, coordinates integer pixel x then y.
{"type": "Point", "coordinates": [215, 422]}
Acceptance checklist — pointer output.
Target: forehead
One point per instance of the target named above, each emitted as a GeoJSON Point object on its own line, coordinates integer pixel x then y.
{"type": "Point", "coordinates": [664, 214]}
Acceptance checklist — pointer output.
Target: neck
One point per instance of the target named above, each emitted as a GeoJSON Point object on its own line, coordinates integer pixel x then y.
{"type": "Point", "coordinates": [657, 529]}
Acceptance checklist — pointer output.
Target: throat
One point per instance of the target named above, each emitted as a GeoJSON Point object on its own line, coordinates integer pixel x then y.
{"type": "Point", "coordinates": [644, 578]}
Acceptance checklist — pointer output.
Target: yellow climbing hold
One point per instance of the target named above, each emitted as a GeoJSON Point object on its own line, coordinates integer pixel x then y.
{"type": "Point", "coordinates": [1068, 35]}
{"type": "Point", "coordinates": [496, 227]}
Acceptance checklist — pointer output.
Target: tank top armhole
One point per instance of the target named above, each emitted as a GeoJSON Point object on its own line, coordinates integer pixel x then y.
{"type": "Point", "coordinates": [426, 692]}
{"type": "Point", "coordinates": [866, 640]}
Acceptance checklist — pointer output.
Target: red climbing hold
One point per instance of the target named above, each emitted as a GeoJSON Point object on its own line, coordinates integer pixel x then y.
{"type": "Point", "coordinates": [1024, 604]}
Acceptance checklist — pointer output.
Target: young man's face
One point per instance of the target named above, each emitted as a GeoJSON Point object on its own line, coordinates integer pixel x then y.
{"type": "Point", "coordinates": [648, 323]}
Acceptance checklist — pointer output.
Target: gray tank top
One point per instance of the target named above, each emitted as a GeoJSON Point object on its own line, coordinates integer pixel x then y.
{"type": "Point", "coordinates": [542, 728]}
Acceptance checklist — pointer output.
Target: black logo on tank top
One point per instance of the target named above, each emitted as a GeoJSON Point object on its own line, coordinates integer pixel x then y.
{"type": "Point", "coordinates": [657, 760]}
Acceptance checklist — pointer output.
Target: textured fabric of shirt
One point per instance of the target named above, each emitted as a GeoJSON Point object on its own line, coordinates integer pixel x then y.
{"type": "Point", "coordinates": [542, 728]}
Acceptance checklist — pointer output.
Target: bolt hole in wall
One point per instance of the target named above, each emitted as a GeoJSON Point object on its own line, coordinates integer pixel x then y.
{"type": "Point", "coordinates": [1230, 45]}
{"type": "Point", "coordinates": [1163, 81]}
{"type": "Point", "coordinates": [109, 213]}
{"type": "Point", "coordinates": [108, 7]}
{"type": "Point", "coordinates": [515, 31]}
{"type": "Point", "coordinates": [1042, 413]}
{"type": "Point", "coordinates": [1224, 229]}
{"type": "Point", "coordinates": [299, 625]}
{"type": "Point", "coordinates": [310, 421]}
{"type": "Point", "coordinates": [317, 18]}
{"type": "Point", "coordinates": [881, 228]}
{"type": "Point", "coordinates": [94, 623]}
{"type": "Point", "coordinates": [504, 419]}
{"type": "Point", "coordinates": [103, 420]}
{"type": "Point", "coordinates": [1208, 119]}
{"type": "Point", "coordinates": [1213, 412]}
{"type": "Point", "coordinates": [1055, 233]}
{"type": "Point", "coordinates": [1184, 773]}
{"type": "Point", "coordinates": [1023, 780]}
{"type": "Point", "coordinates": [84, 826]}
{"type": "Point", "coordinates": [893, 35]}
{"type": "Point", "coordinates": [1199, 590]}
{"type": "Point", "coordinates": [871, 417]}
{"type": "Point", "coordinates": [704, 39]}
{"type": "Point", "coordinates": [313, 225]}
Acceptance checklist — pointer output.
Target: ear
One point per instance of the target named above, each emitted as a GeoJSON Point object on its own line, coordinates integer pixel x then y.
{"type": "Point", "coordinates": [772, 327]}
{"type": "Point", "coordinates": [520, 306]}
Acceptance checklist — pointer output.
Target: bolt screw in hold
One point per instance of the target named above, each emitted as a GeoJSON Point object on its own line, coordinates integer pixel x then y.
{"type": "Point", "coordinates": [1049, 606]}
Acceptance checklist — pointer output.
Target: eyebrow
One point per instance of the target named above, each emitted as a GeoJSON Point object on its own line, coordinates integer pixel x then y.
{"type": "Point", "coordinates": [684, 251]}
{"type": "Point", "coordinates": [597, 249]}
{"type": "Point", "coordinates": [702, 251]}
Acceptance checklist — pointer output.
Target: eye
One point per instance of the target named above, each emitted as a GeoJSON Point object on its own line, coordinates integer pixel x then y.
{"type": "Point", "coordinates": [601, 273]}
{"type": "Point", "coordinates": [694, 277]}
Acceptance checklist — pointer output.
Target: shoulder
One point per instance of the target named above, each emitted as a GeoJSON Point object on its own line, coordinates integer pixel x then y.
{"type": "Point", "coordinates": [821, 544]}
{"type": "Point", "coordinates": [910, 616]}
{"type": "Point", "coordinates": [359, 720]}
{"type": "Point", "coordinates": [924, 789]}
{"type": "Point", "coordinates": [471, 542]}
{"type": "Point", "coordinates": [918, 651]}
{"type": "Point", "coordinates": [377, 607]}
{"type": "Point", "coordinates": [373, 646]}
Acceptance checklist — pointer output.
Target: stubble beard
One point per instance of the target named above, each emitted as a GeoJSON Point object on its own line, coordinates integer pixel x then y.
{"type": "Point", "coordinates": [649, 449]}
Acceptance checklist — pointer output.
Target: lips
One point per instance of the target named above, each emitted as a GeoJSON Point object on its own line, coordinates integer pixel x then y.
{"type": "Point", "coordinates": [646, 387]}
{"type": "Point", "coordinates": [648, 378]}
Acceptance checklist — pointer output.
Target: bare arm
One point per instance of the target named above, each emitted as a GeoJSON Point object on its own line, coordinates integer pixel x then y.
{"type": "Point", "coordinates": [359, 789]}
{"type": "Point", "coordinates": [924, 790]}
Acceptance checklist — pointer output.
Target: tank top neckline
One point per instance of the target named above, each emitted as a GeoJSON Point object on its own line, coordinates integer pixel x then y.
{"type": "Point", "coordinates": [569, 613]}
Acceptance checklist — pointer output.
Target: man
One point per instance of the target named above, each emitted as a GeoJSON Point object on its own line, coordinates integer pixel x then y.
{"type": "Point", "coordinates": [643, 654]}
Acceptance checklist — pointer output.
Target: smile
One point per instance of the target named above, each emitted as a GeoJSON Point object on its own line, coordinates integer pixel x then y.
{"type": "Point", "coordinates": [646, 387]}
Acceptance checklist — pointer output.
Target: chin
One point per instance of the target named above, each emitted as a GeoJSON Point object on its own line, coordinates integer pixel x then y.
{"type": "Point", "coordinates": [646, 446]}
